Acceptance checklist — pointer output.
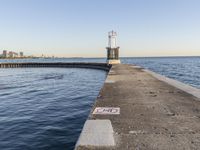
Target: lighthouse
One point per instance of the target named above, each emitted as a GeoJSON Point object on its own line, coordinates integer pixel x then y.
{"type": "Point", "coordinates": [112, 49]}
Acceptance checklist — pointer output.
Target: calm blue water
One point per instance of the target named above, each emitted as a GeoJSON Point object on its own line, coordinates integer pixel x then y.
{"type": "Point", "coordinates": [45, 108]}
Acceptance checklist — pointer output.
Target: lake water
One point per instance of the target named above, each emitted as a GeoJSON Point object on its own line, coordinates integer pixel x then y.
{"type": "Point", "coordinates": [45, 108]}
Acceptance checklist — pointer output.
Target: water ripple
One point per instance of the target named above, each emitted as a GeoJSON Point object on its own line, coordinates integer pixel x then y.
{"type": "Point", "coordinates": [45, 108]}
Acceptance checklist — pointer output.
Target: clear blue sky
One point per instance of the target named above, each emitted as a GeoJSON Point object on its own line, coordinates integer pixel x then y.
{"type": "Point", "coordinates": [79, 27]}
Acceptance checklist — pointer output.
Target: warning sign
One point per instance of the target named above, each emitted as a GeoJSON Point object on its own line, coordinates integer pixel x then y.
{"type": "Point", "coordinates": [107, 111]}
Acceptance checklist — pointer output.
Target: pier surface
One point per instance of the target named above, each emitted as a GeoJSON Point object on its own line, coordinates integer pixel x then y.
{"type": "Point", "coordinates": [147, 114]}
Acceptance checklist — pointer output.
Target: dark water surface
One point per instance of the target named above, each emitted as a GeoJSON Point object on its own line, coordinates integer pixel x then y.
{"type": "Point", "coordinates": [45, 108]}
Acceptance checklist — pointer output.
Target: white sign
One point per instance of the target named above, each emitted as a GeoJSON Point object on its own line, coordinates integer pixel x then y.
{"type": "Point", "coordinates": [107, 111]}
{"type": "Point", "coordinates": [110, 81]}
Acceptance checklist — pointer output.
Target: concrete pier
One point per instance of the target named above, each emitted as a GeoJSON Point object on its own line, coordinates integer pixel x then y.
{"type": "Point", "coordinates": [138, 110]}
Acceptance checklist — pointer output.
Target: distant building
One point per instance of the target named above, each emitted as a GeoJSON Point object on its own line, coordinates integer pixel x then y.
{"type": "Point", "coordinates": [15, 54]}
{"type": "Point", "coordinates": [21, 54]}
{"type": "Point", "coordinates": [5, 54]}
{"type": "Point", "coordinates": [12, 54]}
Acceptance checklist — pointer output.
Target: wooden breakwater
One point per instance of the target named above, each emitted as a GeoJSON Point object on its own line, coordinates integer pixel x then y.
{"type": "Point", "coordinates": [101, 66]}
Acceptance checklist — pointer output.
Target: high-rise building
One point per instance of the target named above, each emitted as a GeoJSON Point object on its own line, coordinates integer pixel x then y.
{"type": "Point", "coordinates": [15, 54]}
{"type": "Point", "coordinates": [12, 54]}
{"type": "Point", "coordinates": [5, 54]}
{"type": "Point", "coordinates": [21, 54]}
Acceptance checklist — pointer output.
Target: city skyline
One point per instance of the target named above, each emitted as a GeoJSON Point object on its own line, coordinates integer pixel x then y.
{"type": "Point", "coordinates": [11, 54]}
{"type": "Point", "coordinates": [79, 28]}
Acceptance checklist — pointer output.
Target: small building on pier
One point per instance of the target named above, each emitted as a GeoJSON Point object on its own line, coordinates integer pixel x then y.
{"type": "Point", "coordinates": [112, 49]}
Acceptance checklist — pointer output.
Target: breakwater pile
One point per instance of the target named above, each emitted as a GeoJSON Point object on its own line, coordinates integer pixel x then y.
{"type": "Point", "coordinates": [102, 66]}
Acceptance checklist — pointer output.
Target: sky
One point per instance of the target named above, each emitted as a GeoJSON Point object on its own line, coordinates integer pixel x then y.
{"type": "Point", "coordinates": [79, 28]}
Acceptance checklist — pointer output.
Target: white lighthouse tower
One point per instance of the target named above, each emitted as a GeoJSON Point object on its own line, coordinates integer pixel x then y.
{"type": "Point", "coordinates": [112, 49]}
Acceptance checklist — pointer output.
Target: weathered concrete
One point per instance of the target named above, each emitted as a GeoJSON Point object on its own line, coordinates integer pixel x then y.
{"type": "Point", "coordinates": [154, 115]}
{"type": "Point", "coordinates": [113, 61]}
{"type": "Point", "coordinates": [187, 88]}
{"type": "Point", "coordinates": [97, 133]}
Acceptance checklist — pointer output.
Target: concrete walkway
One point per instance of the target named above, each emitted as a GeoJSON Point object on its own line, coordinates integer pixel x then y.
{"type": "Point", "coordinates": [153, 114]}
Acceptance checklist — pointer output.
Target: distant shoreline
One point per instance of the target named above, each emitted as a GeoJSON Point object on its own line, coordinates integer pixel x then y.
{"type": "Point", "coordinates": [98, 57]}
{"type": "Point", "coordinates": [20, 58]}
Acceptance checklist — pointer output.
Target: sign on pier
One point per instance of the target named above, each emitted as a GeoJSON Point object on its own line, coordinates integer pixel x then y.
{"type": "Point", "coordinates": [107, 111]}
